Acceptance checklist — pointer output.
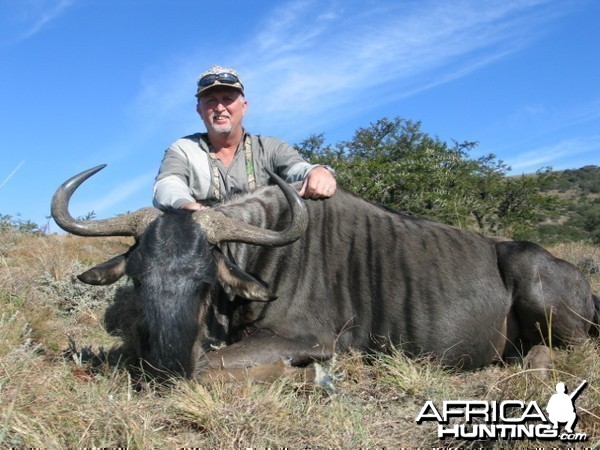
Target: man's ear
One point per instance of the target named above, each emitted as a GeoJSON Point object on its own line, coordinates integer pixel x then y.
{"type": "Point", "coordinates": [236, 282]}
{"type": "Point", "coordinates": [245, 106]}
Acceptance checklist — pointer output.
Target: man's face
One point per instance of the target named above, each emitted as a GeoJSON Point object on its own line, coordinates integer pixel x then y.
{"type": "Point", "coordinates": [222, 109]}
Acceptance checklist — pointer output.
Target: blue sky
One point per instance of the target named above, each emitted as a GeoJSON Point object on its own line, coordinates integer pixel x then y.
{"type": "Point", "coordinates": [85, 82]}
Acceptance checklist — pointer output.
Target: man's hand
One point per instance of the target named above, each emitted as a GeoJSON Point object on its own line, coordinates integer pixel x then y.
{"type": "Point", "coordinates": [319, 183]}
{"type": "Point", "coordinates": [192, 206]}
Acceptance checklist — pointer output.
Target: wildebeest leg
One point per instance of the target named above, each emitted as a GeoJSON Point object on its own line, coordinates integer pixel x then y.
{"type": "Point", "coordinates": [552, 301]}
{"type": "Point", "coordinates": [260, 349]}
{"type": "Point", "coordinates": [539, 359]}
{"type": "Point", "coordinates": [268, 373]}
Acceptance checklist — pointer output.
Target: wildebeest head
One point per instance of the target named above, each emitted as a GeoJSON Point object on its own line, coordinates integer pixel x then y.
{"type": "Point", "coordinates": [175, 265]}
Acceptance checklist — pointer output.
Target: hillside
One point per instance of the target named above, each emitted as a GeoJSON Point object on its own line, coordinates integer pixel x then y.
{"type": "Point", "coordinates": [578, 182]}
{"type": "Point", "coordinates": [578, 215]}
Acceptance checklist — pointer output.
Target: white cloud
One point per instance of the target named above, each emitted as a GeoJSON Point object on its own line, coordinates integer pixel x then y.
{"type": "Point", "coordinates": [116, 196]}
{"type": "Point", "coordinates": [12, 174]}
{"type": "Point", "coordinates": [25, 18]}
{"type": "Point", "coordinates": [559, 153]}
{"type": "Point", "coordinates": [49, 11]}
{"type": "Point", "coordinates": [312, 63]}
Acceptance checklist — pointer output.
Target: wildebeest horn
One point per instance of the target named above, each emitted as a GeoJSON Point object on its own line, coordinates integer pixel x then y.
{"type": "Point", "coordinates": [132, 224]}
{"type": "Point", "coordinates": [217, 226]}
{"type": "Point", "coordinates": [221, 228]}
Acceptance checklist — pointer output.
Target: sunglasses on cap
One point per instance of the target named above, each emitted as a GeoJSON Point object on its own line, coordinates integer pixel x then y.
{"type": "Point", "coordinates": [227, 78]}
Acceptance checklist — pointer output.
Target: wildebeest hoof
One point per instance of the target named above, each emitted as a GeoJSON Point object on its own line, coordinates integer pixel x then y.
{"type": "Point", "coordinates": [539, 359]}
{"type": "Point", "coordinates": [323, 378]}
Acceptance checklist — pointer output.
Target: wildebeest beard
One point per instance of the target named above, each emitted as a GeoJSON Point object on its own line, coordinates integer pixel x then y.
{"type": "Point", "coordinates": [172, 273]}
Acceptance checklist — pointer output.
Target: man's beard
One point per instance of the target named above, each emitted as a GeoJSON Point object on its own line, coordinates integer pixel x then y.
{"type": "Point", "coordinates": [222, 128]}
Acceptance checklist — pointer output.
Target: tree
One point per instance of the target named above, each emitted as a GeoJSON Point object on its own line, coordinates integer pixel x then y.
{"type": "Point", "coordinates": [395, 163]}
{"type": "Point", "coordinates": [587, 218]}
{"type": "Point", "coordinates": [10, 223]}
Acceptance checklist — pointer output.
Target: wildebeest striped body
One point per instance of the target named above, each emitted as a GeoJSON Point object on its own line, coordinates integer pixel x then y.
{"type": "Point", "coordinates": [364, 277]}
{"type": "Point", "coordinates": [350, 275]}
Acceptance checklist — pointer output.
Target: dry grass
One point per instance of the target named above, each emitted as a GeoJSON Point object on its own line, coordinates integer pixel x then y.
{"type": "Point", "coordinates": [50, 401]}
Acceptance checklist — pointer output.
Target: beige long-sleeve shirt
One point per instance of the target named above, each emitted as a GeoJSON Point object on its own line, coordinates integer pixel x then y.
{"type": "Point", "coordinates": [186, 174]}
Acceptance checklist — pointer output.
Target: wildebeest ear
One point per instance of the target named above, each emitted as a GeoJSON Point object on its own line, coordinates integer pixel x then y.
{"type": "Point", "coordinates": [236, 282]}
{"type": "Point", "coordinates": [106, 273]}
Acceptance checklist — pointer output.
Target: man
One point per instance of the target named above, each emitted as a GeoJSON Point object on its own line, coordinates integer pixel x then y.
{"type": "Point", "coordinates": [206, 167]}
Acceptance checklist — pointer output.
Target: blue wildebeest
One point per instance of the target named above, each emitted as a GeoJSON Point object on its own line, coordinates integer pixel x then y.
{"type": "Point", "coordinates": [273, 276]}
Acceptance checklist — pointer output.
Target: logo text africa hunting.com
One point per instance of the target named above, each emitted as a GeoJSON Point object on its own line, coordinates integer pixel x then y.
{"type": "Point", "coordinates": [509, 419]}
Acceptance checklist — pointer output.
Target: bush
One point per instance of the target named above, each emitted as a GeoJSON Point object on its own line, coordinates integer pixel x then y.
{"type": "Point", "coordinates": [394, 163]}
{"type": "Point", "coordinates": [9, 223]}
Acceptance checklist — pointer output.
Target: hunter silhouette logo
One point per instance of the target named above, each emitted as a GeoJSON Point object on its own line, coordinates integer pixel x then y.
{"type": "Point", "coordinates": [561, 407]}
{"type": "Point", "coordinates": [508, 419]}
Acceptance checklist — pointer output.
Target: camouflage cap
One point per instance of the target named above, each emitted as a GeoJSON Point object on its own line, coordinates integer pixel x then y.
{"type": "Point", "coordinates": [219, 76]}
